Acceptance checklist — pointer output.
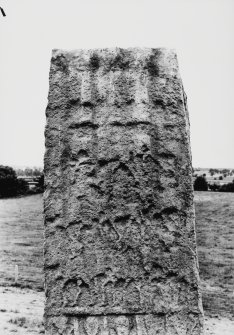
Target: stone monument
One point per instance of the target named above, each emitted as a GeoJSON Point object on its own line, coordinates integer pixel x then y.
{"type": "Point", "coordinates": [120, 249]}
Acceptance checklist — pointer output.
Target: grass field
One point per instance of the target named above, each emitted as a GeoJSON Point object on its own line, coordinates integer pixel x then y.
{"type": "Point", "coordinates": [215, 240]}
{"type": "Point", "coordinates": [21, 251]}
{"type": "Point", "coordinates": [21, 241]}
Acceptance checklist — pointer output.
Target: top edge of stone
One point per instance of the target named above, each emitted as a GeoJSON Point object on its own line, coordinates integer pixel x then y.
{"type": "Point", "coordinates": [163, 60]}
{"type": "Point", "coordinates": [146, 50]}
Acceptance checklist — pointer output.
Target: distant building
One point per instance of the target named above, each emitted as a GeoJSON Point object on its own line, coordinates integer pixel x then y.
{"type": "Point", "coordinates": [31, 181]}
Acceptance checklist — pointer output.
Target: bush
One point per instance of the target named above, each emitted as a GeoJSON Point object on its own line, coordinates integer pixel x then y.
{"type": "Point", "coordinates": [22, 187]}
{"type": "Point", "coordinates": [8, 182]}
{"type": "Point", "coordinates": [200, 184]}
{"type": "Point", "coordinates": [222, 188]}
{"type": "Point", "coordinates": [214, 187]}
{"type": "Point", "coordinates": [227, 187]}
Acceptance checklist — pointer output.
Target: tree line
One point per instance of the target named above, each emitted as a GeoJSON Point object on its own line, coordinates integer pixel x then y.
{"type": "Point", "coordinates": [11, 186]}
{"type": "Point", "coordinates": [29, 172]}
{"type": "Point", "coordinates": [201, 184]}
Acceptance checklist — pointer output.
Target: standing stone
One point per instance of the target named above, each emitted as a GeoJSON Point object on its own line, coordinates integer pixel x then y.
{"type": "Point", "coordinates": [120, 250]}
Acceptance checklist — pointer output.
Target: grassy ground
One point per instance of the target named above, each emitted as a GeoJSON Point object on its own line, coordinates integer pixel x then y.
{"type": "Point", "coordinates": [21, 254]}
{"type": "Point", "coordinates": [21, 241]}
{"type": "Point", "coordinates": [215, 240]}
{"type": "Point", "coordinates": [21, 311]}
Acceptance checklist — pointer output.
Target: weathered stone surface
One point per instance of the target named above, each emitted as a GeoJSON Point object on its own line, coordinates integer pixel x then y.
{"type": "Point", "coordinates": [120, 251]}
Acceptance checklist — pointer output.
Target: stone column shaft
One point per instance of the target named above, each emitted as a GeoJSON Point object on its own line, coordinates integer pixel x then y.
{"type": "Point", "coordinates": [120, 250]}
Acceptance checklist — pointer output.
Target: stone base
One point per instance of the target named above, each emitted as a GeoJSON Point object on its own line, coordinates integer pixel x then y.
{"type": "Point", "coordinates": [174, 324]}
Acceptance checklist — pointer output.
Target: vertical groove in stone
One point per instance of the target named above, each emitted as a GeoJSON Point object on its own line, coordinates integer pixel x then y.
{"type": "Point", "coordinates": [120, 251]}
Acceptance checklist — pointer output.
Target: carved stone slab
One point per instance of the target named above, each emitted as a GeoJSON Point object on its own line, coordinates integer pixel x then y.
{"type": "Point", "coordinates": [120, 250]}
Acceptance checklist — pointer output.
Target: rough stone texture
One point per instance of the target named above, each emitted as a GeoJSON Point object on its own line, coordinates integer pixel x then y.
{"type": "Point", "coordinates": [120, 251]}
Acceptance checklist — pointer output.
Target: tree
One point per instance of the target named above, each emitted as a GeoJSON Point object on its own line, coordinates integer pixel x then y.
{"type": "Point", "coordinates": [19, 172]}
{"type": "Point", "coordinates": [212, 172]}
{"type": "Point", "coordinates": [224, 171]}
{"type": "Point", "coordinates": [10, 185]}
{"type": "Point", "coordinates": [36, 172]}
{"type": "Point", "coordinates": [200, 184]}
{"type": "Point", "coordinates": [28, 172]}
{"type": "Point", "coordinates": [8, 182]}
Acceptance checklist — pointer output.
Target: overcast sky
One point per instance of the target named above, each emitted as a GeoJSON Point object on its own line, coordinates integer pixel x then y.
{"type": "Point", "coordinates": [202, 32]}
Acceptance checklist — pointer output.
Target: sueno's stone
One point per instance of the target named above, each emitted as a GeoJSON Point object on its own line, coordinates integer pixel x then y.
{"type": "Point", "coordinates": [120, 250]}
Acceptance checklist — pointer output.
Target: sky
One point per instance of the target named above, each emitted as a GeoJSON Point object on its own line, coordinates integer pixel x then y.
{"type": "Point", "coordinates": [201, 31]}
